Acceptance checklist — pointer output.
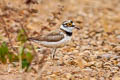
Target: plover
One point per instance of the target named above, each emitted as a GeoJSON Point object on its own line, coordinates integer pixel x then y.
{"type": "Point", "coordinates": [57, 38]}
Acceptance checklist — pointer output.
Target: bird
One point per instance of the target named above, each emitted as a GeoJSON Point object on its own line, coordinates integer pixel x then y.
{"type": "Point", "coordinates": [57, 38]}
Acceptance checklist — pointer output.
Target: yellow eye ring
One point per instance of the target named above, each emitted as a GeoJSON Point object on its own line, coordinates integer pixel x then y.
{"type": "Point", "coordinates": [69, 24]}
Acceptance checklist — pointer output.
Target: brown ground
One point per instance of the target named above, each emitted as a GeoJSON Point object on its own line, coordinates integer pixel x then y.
{"type": "Point", "coordinates": [95, 52]}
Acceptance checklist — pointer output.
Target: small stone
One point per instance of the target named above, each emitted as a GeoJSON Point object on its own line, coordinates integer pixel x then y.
{"type": "Point", "coordinates": [118, 37]}
{"type": "Point", "coordinates": [118, 64]}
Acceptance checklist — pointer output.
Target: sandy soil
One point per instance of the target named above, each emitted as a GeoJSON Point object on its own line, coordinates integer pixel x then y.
{"type": "Point", "coordinates": [94, 53]}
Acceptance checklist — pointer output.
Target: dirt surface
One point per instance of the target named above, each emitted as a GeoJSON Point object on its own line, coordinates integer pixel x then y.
{"type": "Point", "coordinates": [94, 53]}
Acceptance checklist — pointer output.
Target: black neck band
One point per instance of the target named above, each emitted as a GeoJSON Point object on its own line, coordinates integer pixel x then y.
{"type": "Point", "coordinates": [68, 33]}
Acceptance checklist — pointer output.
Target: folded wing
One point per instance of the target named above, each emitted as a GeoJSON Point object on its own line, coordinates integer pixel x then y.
{"type": "Point", "coordinates": [51, 37]}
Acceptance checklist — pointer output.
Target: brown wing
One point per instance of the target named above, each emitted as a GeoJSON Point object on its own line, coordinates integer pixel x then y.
{"type": "Point", "coordinates": [51, 37]}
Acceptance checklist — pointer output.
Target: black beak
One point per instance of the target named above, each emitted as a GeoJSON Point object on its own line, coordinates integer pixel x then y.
{"type": "Point", "coordinates": [77, 28]}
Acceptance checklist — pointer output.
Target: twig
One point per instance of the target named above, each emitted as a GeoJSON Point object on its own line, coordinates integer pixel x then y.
{"type": "Point", "coordinates": [34, 52]}
{"type": "Point", "coordinates": [41, 71]}
{"type": "Point", "coordinates": [5, 29]}
{"type": "Point", "coordinates": [31, 1]}
{"type": "Point", "coordinates": [20, 57]}
{"type": "Point", "coordinates": [42, 64]}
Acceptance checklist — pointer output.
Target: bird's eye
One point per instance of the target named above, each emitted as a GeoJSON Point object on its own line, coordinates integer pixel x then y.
{"type": "Point", "coordinates": [69, 24]}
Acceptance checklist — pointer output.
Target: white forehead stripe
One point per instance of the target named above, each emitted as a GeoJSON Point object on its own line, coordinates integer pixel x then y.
{"type": "Point", "coordinates": [67, 21]}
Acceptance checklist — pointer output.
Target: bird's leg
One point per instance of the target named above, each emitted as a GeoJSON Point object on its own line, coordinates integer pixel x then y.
{"type": "Point", "coordinates": [53, 53]}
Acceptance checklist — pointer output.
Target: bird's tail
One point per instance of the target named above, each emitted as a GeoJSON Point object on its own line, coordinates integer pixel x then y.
{"type": "Point", "coordinates": [30, 39]}
{"type": "Point", "coordinates": [33, 39]}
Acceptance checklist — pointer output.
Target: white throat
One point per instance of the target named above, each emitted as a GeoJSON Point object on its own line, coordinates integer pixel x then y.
{"type": "Point", "coordinates": [67, 29]}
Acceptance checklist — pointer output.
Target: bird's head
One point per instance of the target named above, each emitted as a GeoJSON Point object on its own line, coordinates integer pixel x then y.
{"type": "Point", "coordinates": [68, 26]}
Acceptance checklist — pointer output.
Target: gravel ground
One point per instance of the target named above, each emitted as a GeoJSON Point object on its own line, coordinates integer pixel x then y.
{"type": "Point", "coordinates": [94, 52]}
